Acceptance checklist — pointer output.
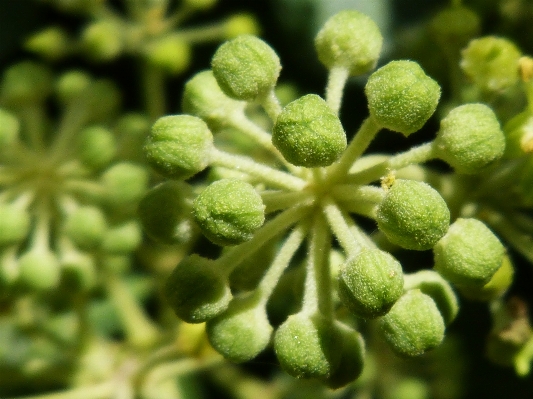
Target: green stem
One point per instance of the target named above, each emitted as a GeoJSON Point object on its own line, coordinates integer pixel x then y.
{"type": "Point", "coordinates": [232, 258]}
{"type": "Point", "coordinates": [317, 289]}
{"type": "Point", "coordinates": [87, 188]}
{"type": "Point", "coordinates": [33, 119]}
{"type": "Point", "coordinates": [281, 262]}
{"type": "Point", "coordinates": [154, 91]}
{"type": "Point", "coordinates": [355, 149]}
{"type": "Point", "coordinates": [334, 90]}
{"type": "Point", "coordinates": [174, 369]}
{"type": "Point", "coordinates": [99, 391]}
{"type": "Point", "coordinates": [268, 175]}
{"type": "Point", "coordinates": [271, 105]}
{"type": "Point", "coordinates": [276, 200]}
{"type": "Point", "coordinates": [350, 238]}
{"type": "Point", "coordinates": [140, 331]}
{"type": "Point", "coordinates": [353, 192]}
{"type": "Point", "coordinates": [415, 155]}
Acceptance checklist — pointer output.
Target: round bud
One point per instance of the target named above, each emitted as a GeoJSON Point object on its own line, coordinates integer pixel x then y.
{"type": "Point", "coordinates": [9, 129]}
{"type": "Point", "coordinates": [170, 53]}
{"type": "Point", "coordinates": [413, 215]}
{"type": "Point", "coordinates": [352, 358]}
{"type": "Point", "coordinates": [496, 287]}
{"type": "Point", "coordinates": [39, 269]}
{"type": "Point", "coordinates": [71, 84]}
{"type": "Point", "coordinates": [308, 133]}
{"type": "Point", "coordinates": [102, 40]}
{"type": "Point", "coordinates": [491, 62]}
{"type": "Point", "coordinates": [86, 227]}
{"type": "Point", "coordinates": [25, 82]}
{"type": "Point", "coordinates": [240, 24]}
{"type": "Point", "coordinates": [246, 68]}
{"type": "Point", "coordinates": [401, 97]}
{"type": "Point", "coordinates": [51, 43]}
{"type": "Point", "coordinates": [469, 254]}
{"type": "Point", "coordinates": [414, 325]}
{"type": "Point", "coordinates": [179, 146]}
{"type": "Point", "coordinates": [431, 283]}
{"type": "Point", "coordinates": [14, 224]}
{"type": "Point", "coordinates": [453, 28]}
{"type": "Point", "coordinates": [122, 239]}
{"type": "Point", "coordinates": [124, 183]}
{"type": "Point", "coordinates": [196, 290]}
{"type": "Point", "coordinates": [242, 331]}
{"type": "Point", "coordinates": [165, 212]}
{"type": "Point", "coordinates": [469, 138]}
{"type": "Point", "coordinates": [350, 40]}
{"type": "Point", "coordinates": [229, 211]}
{"type": "Point", "coordinates": [370, 283]}
{"type": "Point", "coordinates": [203, 98]}
{"type": "Point", "coordinates": [307, 346]}
{"type": "Point", "coordinates": [97, 146]}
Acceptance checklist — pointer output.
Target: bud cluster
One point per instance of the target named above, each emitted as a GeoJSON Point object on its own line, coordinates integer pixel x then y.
{"type": "Point", "coordinates": [305, 192]}
{"type": "Point", "coordinates": [67, 195]}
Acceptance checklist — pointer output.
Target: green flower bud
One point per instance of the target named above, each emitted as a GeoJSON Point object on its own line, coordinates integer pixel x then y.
{"type": "Point", "coordinates": [496, 287]}
{"type": "Point", "coordinates": [491, 62]}
{"type": "Point", "coordinates": [39, 269]}
{"type": "Point", "coordinates": [196, 290]}
{"type": "Point", "coordinates": [165, 212]}
{"type": "Point", "coordinates": [352, 358]}
{"type": "Point", "coordinates": [14, 224]}
{"type": "Point", "coordinates": [469, 138]}
{"type": "Point", "coordinates": [179, 146]}
{"type": "Point", "coordinates": [86, 227]}
{"type": "Point", "coordinates": [51, 43]}
{"type": "Point", "coordinates": [469, 254]}
{"type": "Point", "coordinates": [525, 183]}
{"type": "Point", "coordinates": [308, 133]}
{"type": "Point", "coordinates": [246, 68]}
{"type": "Point", "coordinates": [242, 331]}
{"type": "Point", "coordinates": [170, 53]}
{"type": "Point", "coordinates": [413, 215]}
{"type": "Point", "coordinates": [125, 183]}
{"type": "Point", "coordinates": [229, 211]}
{"type": "Point", "coordinates": [123, 238]}
{"type": "Point", "coordinates": [102, 40]}
{"type": "Point", "coordinates": [453, 28]}
{"type": "Point", "coordinates": [370, 283]}
{"type": "Point", "coordinates": [25, 82]}
{"type": "Point", "coordinates": [431, 283]}
{"type": "Point", "coordinates": [9, 129]}
{"type": "Point", "coordinates": [203, 98]}
{"type": "Point", "coordinates": [307, 346]}
{"type": "Point", "coordinates": [71, 84]}
{"type": "Point", "coordinates": [97, 146]}
{"type": "Point", "coordinates": [401, 97]}
{"type": "Point", "coordinates": [240, 24]}
{"type": "Point", "coordinates": [351, 40]}
{"type": "Point", "coordinates": [518, 133]}
{"type": "Point", "coordinates": [414, 325]}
